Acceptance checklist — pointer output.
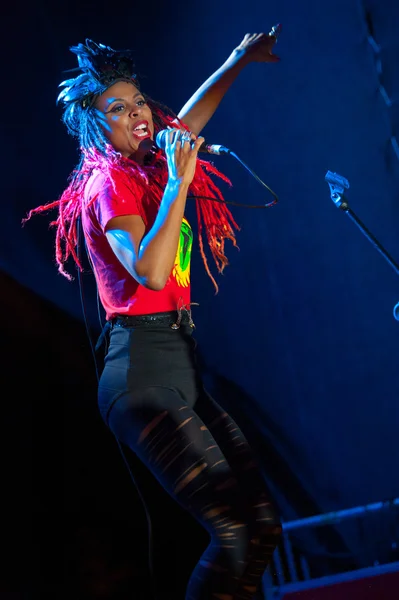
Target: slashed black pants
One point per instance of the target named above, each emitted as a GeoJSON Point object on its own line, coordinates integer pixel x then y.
{"type": "Point", "coordinates": [152, 398]}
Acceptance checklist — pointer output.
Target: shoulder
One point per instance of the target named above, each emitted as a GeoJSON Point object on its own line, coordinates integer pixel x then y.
{"type": "Point", "coordinates": [98, 181]}
{"type": "Point", "coordinates": [107, 184]}
{"type": "Point", "coordinates": [95, 183]}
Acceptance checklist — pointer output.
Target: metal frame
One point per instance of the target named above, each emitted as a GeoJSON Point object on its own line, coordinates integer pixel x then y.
{"type": "Point", "coordinates": [301, 580]}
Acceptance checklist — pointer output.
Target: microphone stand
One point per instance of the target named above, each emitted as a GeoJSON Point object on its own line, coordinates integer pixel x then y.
{"type": "Point", "coordinates": [338, 185]}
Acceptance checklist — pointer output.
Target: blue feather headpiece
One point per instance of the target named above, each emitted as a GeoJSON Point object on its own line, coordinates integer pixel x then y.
{"type": "Point", "coordinates": [100, 67]}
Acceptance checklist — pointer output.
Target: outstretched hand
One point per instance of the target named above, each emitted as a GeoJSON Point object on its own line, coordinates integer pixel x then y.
{"type": "Point", "coordinates": [258, 47]}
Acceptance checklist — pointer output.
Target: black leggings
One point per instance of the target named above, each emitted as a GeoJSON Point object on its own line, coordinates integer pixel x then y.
{"type": "Point", "coordinates": [152, 399]}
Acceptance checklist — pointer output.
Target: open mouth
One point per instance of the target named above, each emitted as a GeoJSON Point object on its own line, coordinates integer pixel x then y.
{"type": "Point", "coordinates": [141, 130]}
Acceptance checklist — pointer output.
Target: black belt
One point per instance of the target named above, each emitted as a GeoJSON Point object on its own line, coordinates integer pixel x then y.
{"type": "Point", "coordinates": [172, 319]}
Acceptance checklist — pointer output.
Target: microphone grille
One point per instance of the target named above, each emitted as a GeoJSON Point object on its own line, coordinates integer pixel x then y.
{"type": "Point", "coordinates": [160, 139]}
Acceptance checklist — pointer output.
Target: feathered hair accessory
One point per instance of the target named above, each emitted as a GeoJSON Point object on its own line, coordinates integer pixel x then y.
{"type": "Point", "coordinates": [101, 67]}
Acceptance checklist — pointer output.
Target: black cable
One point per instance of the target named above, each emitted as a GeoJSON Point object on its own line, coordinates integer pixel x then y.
{"type": "Point", "coordinates": [256, 177]}
{"type": "Point", "coordinates": [93, 351]}
{"type": "Point", "coordinates": [149, 522]}
{"type": "Point", "coordinates": [79, 252]}
{"type": "Point", "coordinates": [232, 203]}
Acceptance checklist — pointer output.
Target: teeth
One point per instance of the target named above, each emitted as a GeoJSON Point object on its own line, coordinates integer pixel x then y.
{"type": "Point", "coordinates": [142, 126]}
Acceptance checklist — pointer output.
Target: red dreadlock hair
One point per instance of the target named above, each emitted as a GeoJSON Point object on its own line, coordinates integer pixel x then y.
{"type": "Point", "coordinates": [100, 67]}
{"type": "Point", "coordinates": [214, 217]}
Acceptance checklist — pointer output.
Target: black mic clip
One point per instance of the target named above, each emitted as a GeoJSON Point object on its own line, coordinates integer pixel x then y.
{"type": "Point", "coordinates": [337, 185]}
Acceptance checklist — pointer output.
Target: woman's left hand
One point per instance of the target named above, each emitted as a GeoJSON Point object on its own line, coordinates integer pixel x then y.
{"type": "Point", "coordinates": [258, 47]}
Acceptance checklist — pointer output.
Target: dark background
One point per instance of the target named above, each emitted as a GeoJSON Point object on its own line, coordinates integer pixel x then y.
{"type": "Point", "coordinates": [300, 344]}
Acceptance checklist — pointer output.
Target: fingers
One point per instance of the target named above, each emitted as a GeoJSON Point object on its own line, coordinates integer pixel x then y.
{"type": "Point", "coordinates": [274, 32]}
{"type": "Point", "coordinates": [181, 151]}
{"type": "Point", "coordinates": [176, 138]}
{"type": "Point", "coordinates": [182, 142]}
{"type": "Point", "coordinates": [171, 138]}
{"type": "Point", "coordinates": [253, 38]}
{"type": "Point", "coordinates": [191, 145]}
{"type": "Point", "coordinates": [186, 140]}
{"type": "Point", "coordinates": [198, 143]}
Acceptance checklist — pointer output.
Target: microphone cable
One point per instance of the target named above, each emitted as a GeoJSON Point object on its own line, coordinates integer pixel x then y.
{"type": "Point", "coordinates": [255, 176]}
{"type": "Point", "coordinates": [259, 180]}
{"type": "Point", "coordinates": [93, 349]}
{"type": "Point", "coordinates": [224, 150]}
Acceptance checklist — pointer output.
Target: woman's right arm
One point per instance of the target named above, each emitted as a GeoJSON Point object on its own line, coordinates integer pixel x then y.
{"type": "Point", "coordinates": [149, 258]}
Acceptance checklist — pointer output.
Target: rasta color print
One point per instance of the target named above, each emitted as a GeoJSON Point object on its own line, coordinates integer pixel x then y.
{"type": "Point", "coordinates": [181, 270]}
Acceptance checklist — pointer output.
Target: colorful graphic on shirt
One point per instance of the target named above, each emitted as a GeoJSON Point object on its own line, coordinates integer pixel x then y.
{"type": "Point", "coordinates": [181, 270]}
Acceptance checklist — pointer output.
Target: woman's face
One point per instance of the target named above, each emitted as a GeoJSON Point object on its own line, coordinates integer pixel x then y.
{"type": "Point", "coordinates": [126, 120]}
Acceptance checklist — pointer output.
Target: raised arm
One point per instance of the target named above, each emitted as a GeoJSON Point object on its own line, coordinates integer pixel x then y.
{"type": "Point", "coordinates": [255, 47]}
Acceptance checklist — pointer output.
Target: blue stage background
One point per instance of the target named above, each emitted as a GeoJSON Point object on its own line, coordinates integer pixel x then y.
{"type": "Point", "coordinates": [300, 343]}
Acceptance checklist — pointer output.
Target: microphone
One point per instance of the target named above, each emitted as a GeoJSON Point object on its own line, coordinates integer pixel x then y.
{"type": "Point", "coordinates": [160, 141]}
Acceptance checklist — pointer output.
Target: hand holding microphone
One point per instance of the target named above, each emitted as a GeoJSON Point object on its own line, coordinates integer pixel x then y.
{"type": "Point", "coordinates": [181, 151]}
{"type": "Point", "coordinates": [162, 136]}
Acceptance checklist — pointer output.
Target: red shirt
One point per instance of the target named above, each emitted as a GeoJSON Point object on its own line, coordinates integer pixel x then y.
{"type": "Point", "coordinates": [119, 292]}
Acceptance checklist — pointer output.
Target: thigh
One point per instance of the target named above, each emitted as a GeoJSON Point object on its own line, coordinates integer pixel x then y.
{"type": "Point", "coordinates": [178, 448]}
{"type": "Point", "coordinates": [239, 454]}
